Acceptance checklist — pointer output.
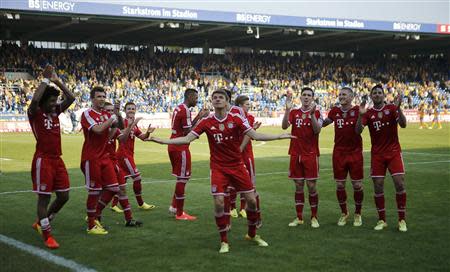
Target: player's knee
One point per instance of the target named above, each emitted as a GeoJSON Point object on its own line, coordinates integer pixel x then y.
{"type": "Point", "coordinates": [219, 203]}
{"type": "Point", "coordinates": [299, 185]}
{"type": "Point", "coordinates": [399, 182]}
{"type": "Point", "coordinates": [311, 186]}
{"type": "Point", "coordinates": [137, 178]}
{"type": "Point", "coordinates": [357, 185]}
{"type": "Point", "coordinates": [340, 184]}
{"type": "Point", "coordinates": [251, 203]}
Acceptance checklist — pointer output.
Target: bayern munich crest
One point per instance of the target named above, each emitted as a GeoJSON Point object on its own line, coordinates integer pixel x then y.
{"type": "Point", "coordinates": [386, 112]}
{"type": "Point", "coordinates": [352, 114]}
{"type": "Point", "coordinates": [230, 125]}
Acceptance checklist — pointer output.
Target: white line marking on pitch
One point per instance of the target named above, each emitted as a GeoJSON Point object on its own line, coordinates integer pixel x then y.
{"type": "Point", "coordinates": [45, 255]}
{"type": "Point", "coordinates": [146, 181]}
{"type": "Point", "coordinates": [5, 159]}
{"type": "Point", "coordinates": [259, 144]}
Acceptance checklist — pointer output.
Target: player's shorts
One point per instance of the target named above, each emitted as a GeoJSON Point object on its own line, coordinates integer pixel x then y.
{"type": "Point", "coordinates": [119, 173]}
{"type": "Point", "coordinates": [236, 177]}
{"type": "Point", "coordinates": [49, 175]}
{"type": "Point", "coordinates": [128, 167]}
{"type": "Point", "coordinates": [250, 165]}
{"type": "Point", "coordinates": [392, 161]}
{"type": "Point", "coordinates": [348, 162]}
{"type": "Point", "coordinates": [304, 167]}
{"type": "Point", "coordinates": [181, 163]}
{"type": "Point", "coordinates": [99, 173]}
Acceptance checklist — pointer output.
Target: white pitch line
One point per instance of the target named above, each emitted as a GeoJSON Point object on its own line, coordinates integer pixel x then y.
{"type": "Point", "coordinates": [427, 154]}
{"type": "Point", "coordinates": [146, 181]}
{"type": "Point", "coordinates": [45, 255]}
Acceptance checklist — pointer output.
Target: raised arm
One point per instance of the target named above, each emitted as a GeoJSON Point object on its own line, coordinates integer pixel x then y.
{"type": "Point", "coordinates": [176, 141]}
{"type": "Point", "coordinates": [69, 98]}
{"type": "Point", "coordinates": [267, 137]}
{"type": "Point", "coordinates": [285, 123]}
{"type": "Point", "coordinates": [123, 137]}
{"type": "Point", "coordinates": [401, 117]}
{"type": "Point", "coordinates": [145, 135]}
{"type": "Point", "coordinates": [100, 128]}
{"type": "Point", "coordinates": [315, 123]}
{"type": "Point", "coordinates": [34, 105]}
{"type": "Point", "coordinates": [247, 139]}
{"type": "Point", "coordinates": [203, 113]}
{"type": "Point", "coordinates": [362, 110]}
{"type": "Point", "coordinates": [120, 123]}
{"type": "Point", "coordinates": [326, 122]}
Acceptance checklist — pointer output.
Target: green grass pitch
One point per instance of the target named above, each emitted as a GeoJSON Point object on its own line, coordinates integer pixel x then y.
{"type": "Point", "coordinates": [163, 244]}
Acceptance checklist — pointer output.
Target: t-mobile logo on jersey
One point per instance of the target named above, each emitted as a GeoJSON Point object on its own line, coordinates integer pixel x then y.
{"type": "Point", "coordinates": [299, 122]}
{"type": "Point", "coordinates": [218, 137]}
{"type": "Point", "coordinates": [377, 125]}
{"type": "Point", "coordinates": [48, 123]}
{"type": "Point", "coordinates": [340, 123]}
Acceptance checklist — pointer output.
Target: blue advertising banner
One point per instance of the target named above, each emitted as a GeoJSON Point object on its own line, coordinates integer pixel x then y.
{"type": "Point", "coordinates": [134, 11]}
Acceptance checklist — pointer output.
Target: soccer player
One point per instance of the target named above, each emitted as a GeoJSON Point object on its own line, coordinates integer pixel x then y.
{"type": "Point", "coordinates": [180, 156]}
{"type": "Point", "coordinates": [421, 112]}
{"type": "Point", "coordinates": [242, 106]}
{"type": "Point", "coordinates": [347, 154]}
{"type": "Point", "coordinates": [436, 112]}
{"type": "Point", "coordinates": [48, 171]}
{"type": "Point", "coordinates": [121, 197]}
{"type": "Point", "coordinates": [304, 151]}
{"type": "Point", "coordinates": [382, 121]}
{"type": "Point", "coordinates": [125, 155]}
{"type": "Point", "coordinates": [96, 165]}
{"type": "Point", "coordinates": [224, 131]}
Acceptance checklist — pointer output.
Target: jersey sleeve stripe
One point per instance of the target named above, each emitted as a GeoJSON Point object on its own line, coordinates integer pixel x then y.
{"type": "Point", "coordinates": [188, 117]}
{"type": "Point", "coordinates": [89, 119]}
{"type": "Point", "coordinates": [195, 133]}
{"type": "Point", "coordinates": [247, 130]}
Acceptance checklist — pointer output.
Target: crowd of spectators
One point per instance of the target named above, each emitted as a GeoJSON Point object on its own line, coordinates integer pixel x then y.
{"type": "Point", "coordinates": [156, 81]}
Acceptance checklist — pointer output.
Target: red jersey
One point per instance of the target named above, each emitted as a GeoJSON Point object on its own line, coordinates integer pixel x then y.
{"type": "Point", "coordinates": [238, 110]}
{"type": "Point", "coordinates": [383, 129]}
{"type": "Point", "coordinates": [94, 146]}
{"type": "Point", "coordinates": [126, 148]}
{"type": "Point", "coordinates": [306, 143]}
{"type": "Point", "coordinates": [345, 137]}
{"type": "Point", "coordinates": [223, 137]}
{"type": "Point", "coordinates": [46, 130]}
{"type": "Point", "coordinates": [181, 119]}
{"type": "Point", "coordinates": [248, 151]}
{"type": "Point", "coordinates": [111, 146]}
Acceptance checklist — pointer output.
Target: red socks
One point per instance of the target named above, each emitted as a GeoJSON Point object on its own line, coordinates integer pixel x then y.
{"type": "Point", "coordinates": [299, 203]}
{"type": "Point", "coordinates": [179, 196]}
{"type": "Point", "coordinates": [137, 188]}
{"type": "Point", "coordinates": [401, 205]}
{"type": "Point", "coordinates": [358, 196]}
{"type": "Point", "coordinates": [379, 203]}
{"type": "Point", "coordinates": [342, 199]}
